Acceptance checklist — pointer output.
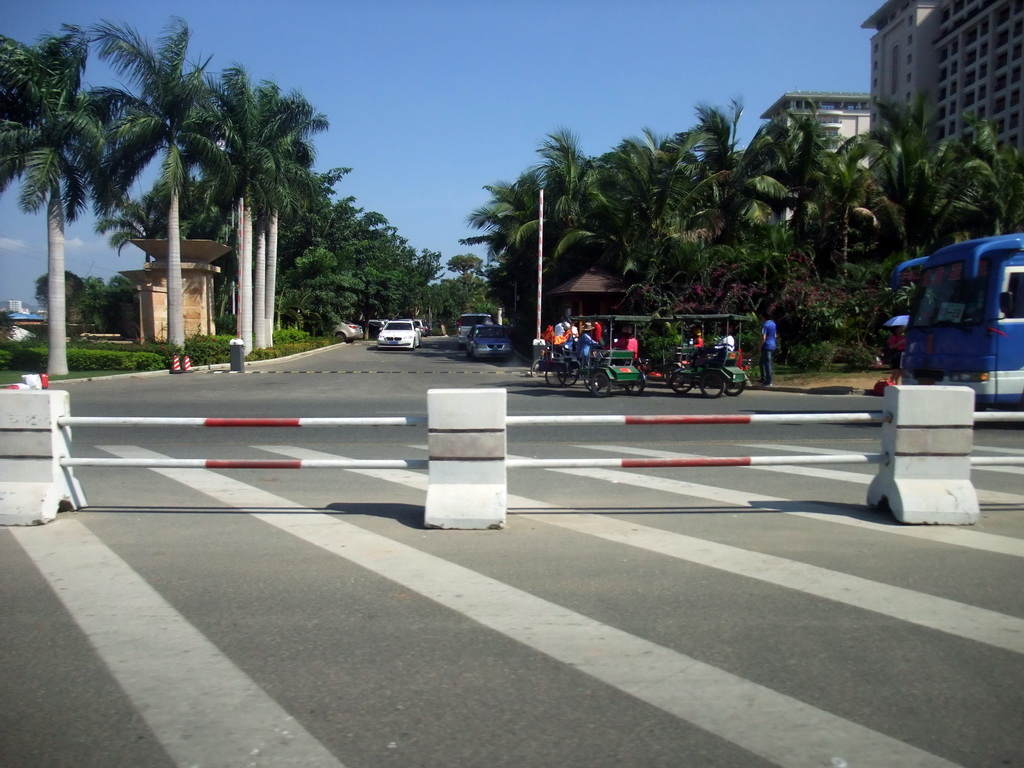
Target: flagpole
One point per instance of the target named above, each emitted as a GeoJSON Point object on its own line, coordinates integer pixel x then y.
{"type": "Point", "coordinates": [540, 261]}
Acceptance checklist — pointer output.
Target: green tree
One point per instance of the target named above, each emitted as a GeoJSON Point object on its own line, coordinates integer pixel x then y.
{"type": "Point", "coordinates": [164, 118]}
{"type": "Point", "coordinates": [466, 265]}
{"type": "Point", "coordinates": [746, 193]}
{"type": "Point", "coordinates": [51, 137]}
{"type": "Point", "coordinates": [923, 193]}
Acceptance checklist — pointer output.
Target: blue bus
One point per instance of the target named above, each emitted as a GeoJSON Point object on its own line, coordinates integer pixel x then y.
{"type": "Point", "coordinates": [966, 323]}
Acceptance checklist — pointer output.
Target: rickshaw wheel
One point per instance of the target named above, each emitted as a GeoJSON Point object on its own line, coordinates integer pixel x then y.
{"type": "Point", "coordinates": [600, 384]}
{"type": "Point", "coordinates": [679, 382]}
{"type": "Point", "coordinates": [712, 384]}
{"type": "Point", "coordinates": [636, 387]}
{"type": "Point", "coordinates": [568, 378]}
{"type": "Point", "coordinates": [535, 368]}
{"type": "Point", "coordinates": [732, 390]}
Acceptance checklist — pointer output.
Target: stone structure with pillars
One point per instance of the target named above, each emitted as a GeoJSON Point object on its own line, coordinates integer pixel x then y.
{"type": "Point", "coordinates": [150, 285]}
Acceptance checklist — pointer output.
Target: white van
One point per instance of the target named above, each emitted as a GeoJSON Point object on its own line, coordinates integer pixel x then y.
{"type": "Point", "coordinates": [470, 319]}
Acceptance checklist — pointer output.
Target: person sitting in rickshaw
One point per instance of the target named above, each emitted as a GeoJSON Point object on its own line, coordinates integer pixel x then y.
{"type": "Point", "coordinates": [562, 338]}
{"type": "Point", "coordinates": [719, 353]}
{"type": "Point", "coordinates": [585, 345]}
{"type": "Point", "coordinates": [627, 341]}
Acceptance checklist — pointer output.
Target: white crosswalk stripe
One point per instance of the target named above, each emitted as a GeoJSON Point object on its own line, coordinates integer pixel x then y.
{"type": "Point", "coordinates": [238, 723]}
{"type": "Point", "coordinates": [161, 660]}
{"type": "Point", "coordinates": [775, 726]}
{"type": "Point", "coordinates": [963, 537]}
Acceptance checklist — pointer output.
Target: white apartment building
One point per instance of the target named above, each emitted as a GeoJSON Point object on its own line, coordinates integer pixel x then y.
{"type": "Point", "coordinates": [964, 55]}
{"type": "Point", "coordinates": [14, 305]}
{"type": "Point", "coordinates": [841, 114]}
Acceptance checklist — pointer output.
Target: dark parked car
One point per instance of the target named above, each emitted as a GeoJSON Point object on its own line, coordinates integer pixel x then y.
{"type": "Point", "coordinates": [488, 341]}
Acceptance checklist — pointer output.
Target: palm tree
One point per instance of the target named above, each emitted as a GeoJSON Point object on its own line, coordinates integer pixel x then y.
{"type": "Point", "coordinates": [265, 139]}
{"type": "Point", "coordinates": [51, 137]}
{"type": "Point", "coordinates": [289, 123]}
{"type": "Point", "coordinates": [923, 193]}
{"type": "Point", "coordinates": [745, 191]}
{"type": "Point", "coordinates": [655, 198]}
{"type": "Point", "coordinates": [1001, 174]}
{"type": "Point", "coordinates": [843, 197]}
{"type": "Point", "coordinates": [163, 118]}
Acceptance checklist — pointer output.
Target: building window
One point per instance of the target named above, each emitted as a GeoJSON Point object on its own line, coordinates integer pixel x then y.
{"type": "Point", "coordinates": [894, 62]}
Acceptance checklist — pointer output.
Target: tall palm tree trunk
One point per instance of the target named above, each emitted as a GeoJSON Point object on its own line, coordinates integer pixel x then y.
{"type": "Point", "coordinates": [57, 360]}
{"type": "Point", "coordinates": [259, 296]}
{"type": "Point", "coordinates": [175, 302]}
{"type": "Point", "coordinates": [271, 293]}
{"type": "Point", "coordinates": [245, 280]}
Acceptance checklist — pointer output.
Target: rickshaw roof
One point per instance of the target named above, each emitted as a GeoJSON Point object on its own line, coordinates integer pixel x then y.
{"type": "Point", "coordinates": [666, 319]}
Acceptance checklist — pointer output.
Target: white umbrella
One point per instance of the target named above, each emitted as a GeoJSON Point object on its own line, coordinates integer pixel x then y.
{"type": "Point", "coordinates": [892, 322]}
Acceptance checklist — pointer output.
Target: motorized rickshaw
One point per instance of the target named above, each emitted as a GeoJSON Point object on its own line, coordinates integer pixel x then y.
{"type": "Point", "coordinates": [715, 371]}
{"type": "Point", "coordinates": [605, 370]}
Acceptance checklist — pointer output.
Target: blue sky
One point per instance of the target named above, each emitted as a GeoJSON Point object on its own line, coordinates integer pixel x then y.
{"type": "Point", "coordinates": [430, 101]}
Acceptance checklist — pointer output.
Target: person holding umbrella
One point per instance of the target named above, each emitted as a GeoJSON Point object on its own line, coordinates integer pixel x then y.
{"type": "Point", "coordinates": [895, 345]}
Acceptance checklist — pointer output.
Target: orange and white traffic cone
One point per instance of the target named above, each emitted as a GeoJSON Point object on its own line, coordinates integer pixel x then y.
{"type": "Point", "coordinates": [176, 365]}
{"type": "Point", "coordinates": [187, 367]}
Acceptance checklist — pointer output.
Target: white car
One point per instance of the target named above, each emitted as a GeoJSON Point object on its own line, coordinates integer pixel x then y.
{"type": "Point", "coordinates": [398, 334]}
{"type": "Point", "coordinates": [348, 331]}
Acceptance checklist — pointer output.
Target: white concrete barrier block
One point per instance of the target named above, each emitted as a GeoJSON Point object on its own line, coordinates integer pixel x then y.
{"type": "Point", "coordinates": [926, 477]}
{"type": "Point", "coordinates": [34, 487]}
{"type": "Point", "coordinates": [468, 487]}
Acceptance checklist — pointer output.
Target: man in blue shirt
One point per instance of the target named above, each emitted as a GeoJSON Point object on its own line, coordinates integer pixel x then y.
{"type": "Point", "coordinates": [768, 343]}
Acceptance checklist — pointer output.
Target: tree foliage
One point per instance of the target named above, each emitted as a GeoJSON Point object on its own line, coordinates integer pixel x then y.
{"type": "Point", "coordinates": [794, 222]}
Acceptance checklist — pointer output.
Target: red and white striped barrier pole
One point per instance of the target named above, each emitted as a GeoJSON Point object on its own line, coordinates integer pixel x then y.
{"type": "Point", "coordinates": [175, 364]}
{"type": "Point", "coordinates": [187, 367]}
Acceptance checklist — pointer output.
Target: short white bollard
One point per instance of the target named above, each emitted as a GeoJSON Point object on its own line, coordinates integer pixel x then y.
{"type": "Point", "coordinates": [927, 478]}
{"type": "Point", "coordinates": [33, 484]}
{"type": "Point", "coordinates": [467, 437]}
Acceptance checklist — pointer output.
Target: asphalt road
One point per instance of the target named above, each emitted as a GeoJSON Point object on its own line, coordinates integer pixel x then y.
{"type": "Point", "coordinates": [713, 617]}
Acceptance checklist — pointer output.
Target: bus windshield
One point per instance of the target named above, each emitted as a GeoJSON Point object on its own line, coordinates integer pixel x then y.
{"type": "Point", "coordinates": [947, 297]}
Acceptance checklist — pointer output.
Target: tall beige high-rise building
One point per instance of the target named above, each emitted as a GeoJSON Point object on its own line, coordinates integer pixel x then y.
{"type": "Point", "coordinates": [965, 56]}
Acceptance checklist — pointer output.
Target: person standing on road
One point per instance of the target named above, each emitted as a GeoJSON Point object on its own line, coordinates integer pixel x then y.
{"type": "Point", "coordinates": [897, 343]}
{"type": "Point", "coordinates": [768, 343]}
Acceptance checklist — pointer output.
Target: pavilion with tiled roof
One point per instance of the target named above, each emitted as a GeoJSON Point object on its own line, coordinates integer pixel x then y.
{"type": "Point", "coordinates": [593, 292]}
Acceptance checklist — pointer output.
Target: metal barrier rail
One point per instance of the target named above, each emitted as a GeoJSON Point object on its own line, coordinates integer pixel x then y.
{"type": "Point", "coordinates": [157, 421]}
{"type": "Point", "coordinates": [754, 418]}
{"type": "Point", "coordinates": [923, 476]}
{"type": "Point", "coordinates": [162, 463]}
{"type": "Point", "coordinates": [701, 461]}
{"type": "Point", "coordinates": [996, 461]}
{"type": "Point", "coordinates": [998, 416]}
